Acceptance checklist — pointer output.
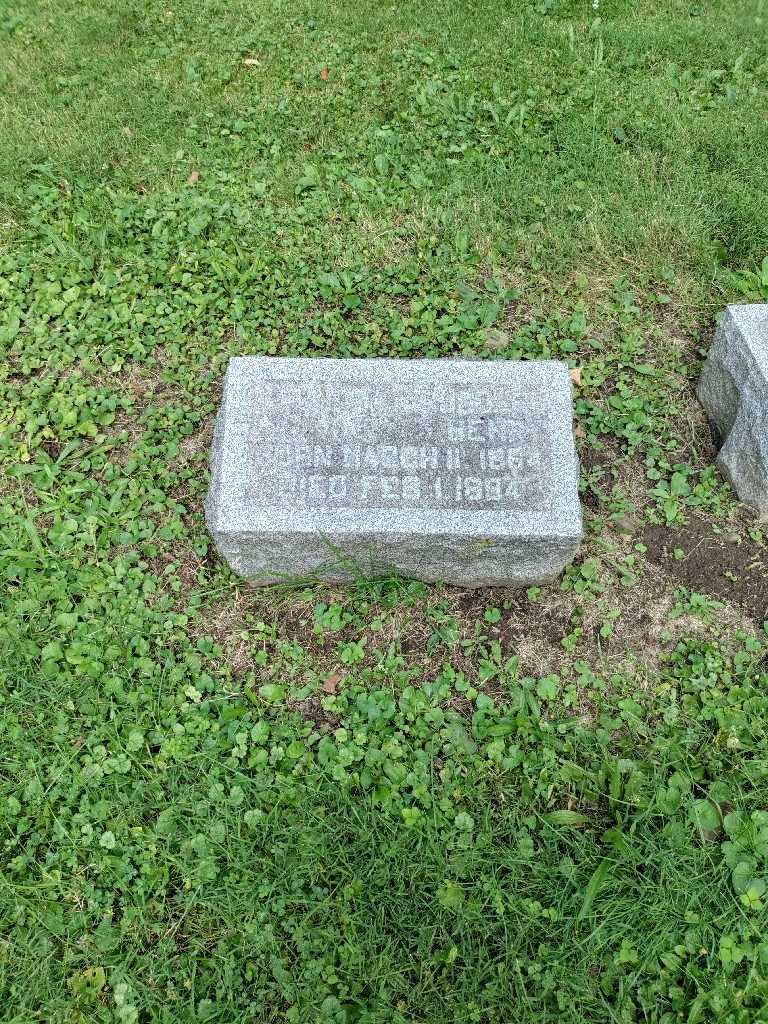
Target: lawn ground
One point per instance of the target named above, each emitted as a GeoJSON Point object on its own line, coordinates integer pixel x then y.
{"type": "Point", "coordinates": [387, 802]}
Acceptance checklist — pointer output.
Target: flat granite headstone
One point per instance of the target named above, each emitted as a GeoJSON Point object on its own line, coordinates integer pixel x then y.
{"type": "Point", "coordinates": [456, 470]}
{"type": "Point", "coordinates": [734, 392]}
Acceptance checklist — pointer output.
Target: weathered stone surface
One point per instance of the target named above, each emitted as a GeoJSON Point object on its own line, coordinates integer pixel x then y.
{"type": "Point", "coordinates": [455, 470]}
{"type": "Point", "coordinates": [734, 392]}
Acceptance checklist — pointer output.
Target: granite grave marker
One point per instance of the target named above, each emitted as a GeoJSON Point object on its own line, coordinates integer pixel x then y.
{"type": "Point", "coordinates": [734, 392]}
{"type": "Point", "coordinates": [456, 470]}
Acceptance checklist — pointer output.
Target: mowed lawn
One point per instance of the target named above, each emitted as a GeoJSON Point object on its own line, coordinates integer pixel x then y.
{"type": "Point", "coordinates": [386, 802]}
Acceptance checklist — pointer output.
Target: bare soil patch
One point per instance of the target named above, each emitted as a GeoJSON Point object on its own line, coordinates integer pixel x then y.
{"type": "Point", "coordinates": [724, 565]}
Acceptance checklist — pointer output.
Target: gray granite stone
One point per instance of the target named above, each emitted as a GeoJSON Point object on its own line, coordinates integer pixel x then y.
{"type": "Point", "coordinates": [734, 392]}
{"type": "Point", "coordinates": [456, 470]}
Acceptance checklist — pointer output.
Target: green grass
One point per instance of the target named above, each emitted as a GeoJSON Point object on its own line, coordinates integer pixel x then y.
{"type": "Point", "coordinates": [389, 803]}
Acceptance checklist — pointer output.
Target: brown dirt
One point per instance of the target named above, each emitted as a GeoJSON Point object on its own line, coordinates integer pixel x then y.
{"type": "Point", "coordinates": [312, 709]}
{"type": "Point", "coordinates": [708, 556]}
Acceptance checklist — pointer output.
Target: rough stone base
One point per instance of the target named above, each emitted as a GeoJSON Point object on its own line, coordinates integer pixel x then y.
{"type": "Point", "coordinates": [466, 561]}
